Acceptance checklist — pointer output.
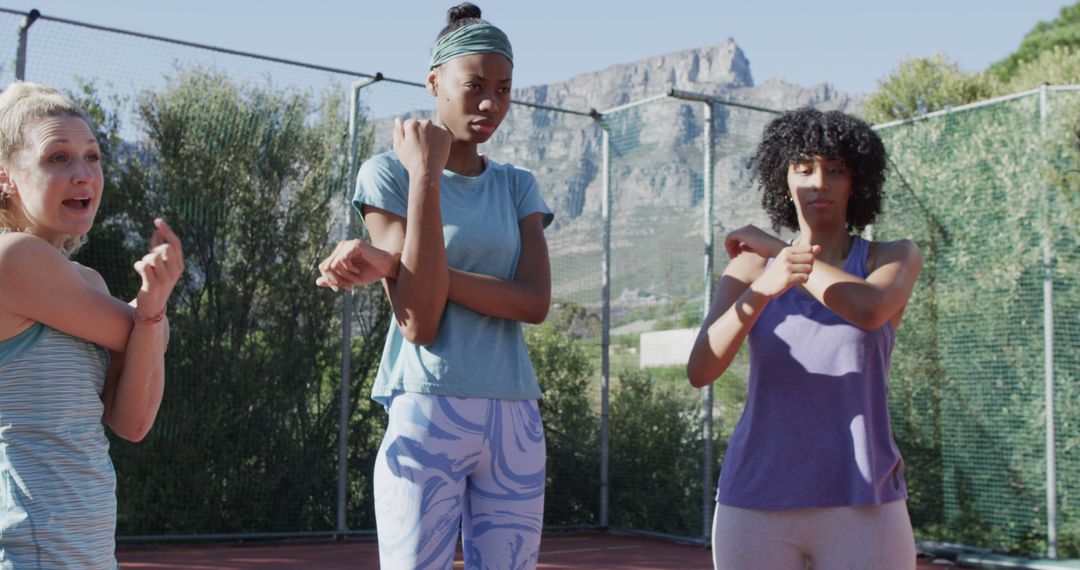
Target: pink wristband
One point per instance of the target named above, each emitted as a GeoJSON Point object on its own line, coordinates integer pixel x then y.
{"type": "Point", "coordinates": [139, 319]}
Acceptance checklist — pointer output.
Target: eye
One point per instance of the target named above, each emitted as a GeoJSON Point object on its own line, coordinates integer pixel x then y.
{"type": "Point", "coordinates": [472, 85]}
{"type": "Point", "coordinates": [57, 157]}
{"type": "Point", "coordinates": [504, 90]}
{"type": "Point", "coordinates": [93, 157]}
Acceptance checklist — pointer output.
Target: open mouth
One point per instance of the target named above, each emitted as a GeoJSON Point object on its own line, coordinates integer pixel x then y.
{"type": "Point", "coordinates": [78, 203]}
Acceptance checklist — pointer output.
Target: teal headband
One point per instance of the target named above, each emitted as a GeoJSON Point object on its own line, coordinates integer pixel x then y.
{"type": "Point", "coordinates": [470, 39]}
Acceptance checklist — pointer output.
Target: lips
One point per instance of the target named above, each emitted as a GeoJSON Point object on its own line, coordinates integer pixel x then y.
{"type": "Point", "coordinates": [483, 127]}
{"type": "Point", "coordinates": [77, 203]}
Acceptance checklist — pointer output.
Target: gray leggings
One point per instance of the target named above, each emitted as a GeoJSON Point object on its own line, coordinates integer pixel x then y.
{"type": "Point", "coordinates": [833, 538]}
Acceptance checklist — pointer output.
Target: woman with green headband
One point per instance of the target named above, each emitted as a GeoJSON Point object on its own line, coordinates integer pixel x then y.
{"type": "Point", "coordinates": [458, 242]}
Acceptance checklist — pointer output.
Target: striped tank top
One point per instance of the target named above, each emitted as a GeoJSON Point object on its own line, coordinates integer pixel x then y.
{"type": "Point", "coordinates": [815, 431]}
{"type": "Point", "coordinates": [57, 484]}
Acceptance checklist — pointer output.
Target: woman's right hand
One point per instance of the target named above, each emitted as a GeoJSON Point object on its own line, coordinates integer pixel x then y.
{"type": "Point", "coordinates": [792, 266]}
{"type": "Point", "coordinates": [422, 147]}
{"type": "Point", "coordinates": [356, 262]}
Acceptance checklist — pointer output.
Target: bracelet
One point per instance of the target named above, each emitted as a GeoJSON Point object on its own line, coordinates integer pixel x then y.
{"type": "Point", "coordinates": [139, 319]}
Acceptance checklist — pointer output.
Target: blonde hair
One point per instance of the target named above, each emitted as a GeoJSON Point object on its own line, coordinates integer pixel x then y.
{"type": "Point", "coordinates": [22, 103]}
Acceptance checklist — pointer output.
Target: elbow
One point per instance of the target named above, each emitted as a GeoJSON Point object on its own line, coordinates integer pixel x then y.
{"type": "Point", "coordinates": [420, 334]}
{"type": "Point", "coordinates": [133, 431]}
{"type": "Point", "coordinates": [695, 373]}
{"type": "Point", "coordinates": [871, 319]}
{"type": "Point", "coordinates": [537, 312]}
{"type": "Point", "coordinates": [697, 379]}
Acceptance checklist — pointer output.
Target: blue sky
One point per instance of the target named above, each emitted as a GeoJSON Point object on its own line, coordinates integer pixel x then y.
{"type": "Point", "coordinates": [849, 43]}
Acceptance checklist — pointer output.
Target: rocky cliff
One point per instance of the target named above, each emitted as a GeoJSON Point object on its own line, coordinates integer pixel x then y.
{"type": "Point", "coordinates": [656, 163]}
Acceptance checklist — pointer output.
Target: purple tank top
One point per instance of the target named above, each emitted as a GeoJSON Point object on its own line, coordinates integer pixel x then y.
{"type": "Point", "coordinates": [815, 431]}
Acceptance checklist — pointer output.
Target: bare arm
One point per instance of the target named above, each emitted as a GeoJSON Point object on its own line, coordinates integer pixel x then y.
{"type": "Point", "coordinates": [37, 283]}
{"type": "Point", "coordinates": [132, 397]}
{"type": "Point", "coordinates": [745, 288]}
{"type": "Point", "coordinates": [734, 311]}
{"type": "Point", "coordinates": [868, 303]}
{"type": "Point", "coordinates": [419, 289]}
{"type": "Point", "coordinates": [881, 297]}
{"type": "Point", "coordinates": [527, 297]}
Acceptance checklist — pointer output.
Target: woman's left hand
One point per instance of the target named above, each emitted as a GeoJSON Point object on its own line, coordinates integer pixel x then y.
{"type": "Point", "coordinates": [356, 262]}
{"type": "Point", "coordinates": [160, 270]}
{"type": "Point", "coordinates": [753, 239]}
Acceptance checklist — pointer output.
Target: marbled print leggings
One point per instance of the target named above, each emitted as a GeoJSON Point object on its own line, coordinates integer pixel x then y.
{"type": "Point", "coordinates": [473, 463]}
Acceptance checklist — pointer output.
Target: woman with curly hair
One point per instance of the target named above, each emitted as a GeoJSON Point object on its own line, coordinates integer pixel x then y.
{"type": "Point", "coordinates": [812, 471]}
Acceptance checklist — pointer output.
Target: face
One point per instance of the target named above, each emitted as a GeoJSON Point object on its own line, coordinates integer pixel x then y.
{"type": "Point", "coordinates": [820, 187]}
{"type": "Point", "coordinates": [54, 183]}
{"type": "Point", "coordinates": [473, 93]}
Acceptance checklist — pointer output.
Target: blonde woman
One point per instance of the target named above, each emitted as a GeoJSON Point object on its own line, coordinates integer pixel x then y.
{"type": "Point", "coordinates": [72, 357]}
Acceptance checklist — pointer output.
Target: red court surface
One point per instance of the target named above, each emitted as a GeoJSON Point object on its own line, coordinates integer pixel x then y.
{"type": "Point", "coordinates": [593, 551]}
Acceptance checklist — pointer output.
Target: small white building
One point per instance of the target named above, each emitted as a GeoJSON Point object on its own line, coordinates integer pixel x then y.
{"type": "Point", "coordinates": [666, 348]}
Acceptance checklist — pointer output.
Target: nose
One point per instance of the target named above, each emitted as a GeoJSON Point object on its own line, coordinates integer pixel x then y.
{"type": "Point", "coordinates": [488, 104]}
{"type": "Point", "coordinates": [83, 172]}
{"type": "Point", "coordinates": [816, 179]}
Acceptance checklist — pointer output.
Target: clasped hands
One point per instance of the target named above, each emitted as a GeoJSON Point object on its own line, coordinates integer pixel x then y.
{"type": "Point", "coordinates": [792, 264]}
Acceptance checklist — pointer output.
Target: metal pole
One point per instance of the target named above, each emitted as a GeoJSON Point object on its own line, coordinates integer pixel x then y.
{"type": "Point", "coordinates": [605, 322]}
{"type": "Point", "coordinates": [707, 471]}
{"type": "Point", "coordinates": [346, 316]}
{"type": "Point", "coordinates": [20, 53]}
{"type": "Point", "coordinates": [1048, 354]}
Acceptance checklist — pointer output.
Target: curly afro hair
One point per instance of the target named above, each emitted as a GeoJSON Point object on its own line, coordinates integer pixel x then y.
{"type": "Point", "coordinates": [797, 136]}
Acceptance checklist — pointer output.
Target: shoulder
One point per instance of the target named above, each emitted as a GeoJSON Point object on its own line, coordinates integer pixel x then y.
{"type": "Point", "coordinates": [92, 277]}
{"type": "Point", "coordinates": [520, 178]}
{"type": "Point", "coordinates": [381, 166]}
{"type": "Point", "coordinates": [386, 159]}
{"type": "Point", "coordinates": [881, 253]}
{"type": "Point", "coordinates": [20, 252]}
{"type": "Point", "coordinates": [23, 256]}
{"type": "Point", "coordinates": [25, 262]}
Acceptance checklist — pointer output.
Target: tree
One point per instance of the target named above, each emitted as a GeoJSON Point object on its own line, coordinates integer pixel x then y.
{"type": "Point", "coordinates": [922, 85]}
{"type": "Point", "coordinates": [571, 426]}
{"type": "Point", "coordinates": [251, 180]}
{"type": "Point", "coordinates": [1061, 33]}
{"type": "Point", "coordinates": [1049, 53]}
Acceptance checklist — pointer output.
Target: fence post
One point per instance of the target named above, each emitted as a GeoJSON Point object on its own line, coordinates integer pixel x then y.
{"type": "Point", "coordinates": [20, 53]}
{"type": "Point", "coordinates": [605, 324]}
{"type": "Point", "coordinates": [1048, 354]}
{"type": "Point", "coordinates": [707, 471]}
{"type": "Point", "coordinates": [346, 314]}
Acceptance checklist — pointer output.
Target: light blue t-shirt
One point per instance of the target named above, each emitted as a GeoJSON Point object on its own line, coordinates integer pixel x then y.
{"type": "Point", "coordinates": [474, 355]}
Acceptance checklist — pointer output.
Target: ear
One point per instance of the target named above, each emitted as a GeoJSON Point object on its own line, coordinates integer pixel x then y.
{"type": "Point", "coordinates": [433, 82]}
{"type": "Point", "coordinates": [7, 185]}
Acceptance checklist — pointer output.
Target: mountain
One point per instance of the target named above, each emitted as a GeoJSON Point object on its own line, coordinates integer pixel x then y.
{"type": "Point", "coordinates": [656, 166]}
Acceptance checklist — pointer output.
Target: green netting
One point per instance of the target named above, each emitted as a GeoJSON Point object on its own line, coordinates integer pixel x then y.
{"type": "Point", "coordinates": [247, 158]}
{"type": "Point", "coordinates": [657, 284]}
{"type": "Point", "coordinates": [658, 480]}
{"type": "Point", "coordinates": [977, 190]}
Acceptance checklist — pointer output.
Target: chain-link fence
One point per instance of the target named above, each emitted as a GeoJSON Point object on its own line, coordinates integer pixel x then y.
{"type": "Point", "coordinates": [252, 159]}
{"type": "Point", "coordinates": [990, 336]}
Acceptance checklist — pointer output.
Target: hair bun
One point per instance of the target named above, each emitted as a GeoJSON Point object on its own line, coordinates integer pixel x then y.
{"type": "Point", "coordinates": [463, 11]}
